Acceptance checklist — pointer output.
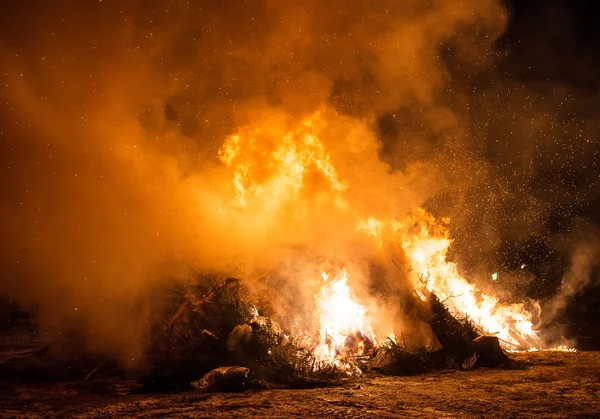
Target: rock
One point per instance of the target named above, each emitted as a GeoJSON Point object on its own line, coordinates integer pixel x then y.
{"type": "Point", "coordinates": [397, 362]}
{"type": "Point", "coordinates": [224, 379]}
{"type": "Point", "coordinates": [489, 352]}
{"type": "Point", "coordinates": [240, 335]}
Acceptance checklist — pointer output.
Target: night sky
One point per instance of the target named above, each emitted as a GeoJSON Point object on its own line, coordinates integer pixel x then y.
{"type": "Point", "coordinates": [559, 42]}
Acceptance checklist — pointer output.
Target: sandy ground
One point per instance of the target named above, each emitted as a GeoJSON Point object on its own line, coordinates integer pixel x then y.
{"type": "Point", "coordinates": [554, 385]}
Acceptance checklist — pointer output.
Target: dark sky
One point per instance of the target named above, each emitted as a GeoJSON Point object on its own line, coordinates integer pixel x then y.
{"type": "Point", "coordinates": [558, 41]}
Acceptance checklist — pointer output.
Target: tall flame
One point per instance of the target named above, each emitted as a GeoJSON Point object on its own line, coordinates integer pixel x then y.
{"type": "Point", "coordinates": [343, 325]}
{"type": "Point", "coordinates": [426, 241]}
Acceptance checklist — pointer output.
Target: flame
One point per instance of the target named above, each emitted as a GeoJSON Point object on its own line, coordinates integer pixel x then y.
{"type": "Point", "coordinates": [275, 172]}
{"type": "Point", "coordinates": [341, 319]}
{"type": "Point", "coordinates": [373, 227]}
{"type": "Point", "coordinates": [426, 241]}
{"type": "Point", "coordinates": [272, 159]}
{"type": "Point", "coordinates": [559, 348]}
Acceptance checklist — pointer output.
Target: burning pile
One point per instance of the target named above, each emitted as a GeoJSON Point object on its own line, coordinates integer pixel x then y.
{"type": "Point", "coordinates": [280, 167]}
{"type": "Point", "coordinates": [314, 160]}
{"type": "Point", "coordinates": [272, 167]}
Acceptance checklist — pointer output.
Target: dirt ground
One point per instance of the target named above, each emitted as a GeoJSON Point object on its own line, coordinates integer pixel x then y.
{"type": "Point", "coordinates": [551, 385]}
{"type": "Point", "coordinates": [554, 385]}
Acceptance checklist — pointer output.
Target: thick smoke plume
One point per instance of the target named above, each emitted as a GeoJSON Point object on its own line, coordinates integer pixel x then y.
{"type": "Point", "coordinates": [113, 115]}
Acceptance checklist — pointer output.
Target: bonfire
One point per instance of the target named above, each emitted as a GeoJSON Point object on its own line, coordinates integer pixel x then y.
{"type": "Point", "coordinates": [348, 328]}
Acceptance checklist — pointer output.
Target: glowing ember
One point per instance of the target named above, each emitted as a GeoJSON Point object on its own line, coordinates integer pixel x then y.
{"type": "Point", "coordinates": [560, 348]}
{"type": "Point", "coordinates": [343, 328]}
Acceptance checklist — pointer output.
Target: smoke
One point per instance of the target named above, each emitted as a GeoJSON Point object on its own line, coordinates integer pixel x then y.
{"type": "Point", "coordinates": [580, 274]}
{"type": "Point", "coordinates": [112, 118]}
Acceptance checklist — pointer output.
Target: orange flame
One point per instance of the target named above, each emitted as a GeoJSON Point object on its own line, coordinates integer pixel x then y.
{"type": "Point", "coordinates": [340, 318]}
{"type": "Point", "coordinates": [426, 242]}
{"type": "Point", "coordinates": [284, 157]}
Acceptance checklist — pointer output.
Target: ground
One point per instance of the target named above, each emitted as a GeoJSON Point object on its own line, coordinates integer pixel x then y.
{"type": "Point", "coordinates": [550, 385]}
{"type": "Point", "coordinates": [553, 385]}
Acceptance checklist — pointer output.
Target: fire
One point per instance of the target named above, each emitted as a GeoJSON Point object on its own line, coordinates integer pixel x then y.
{"type": "Point", "coordinates": [426, 241]}
{"type": "Point", "coordinates": [373, 227]}
{"type": "Point", "coordinates": [273, 160]}
{"type": "Point", "coordinates": [341, 319]}
{"type": "Point", "coordinates": [270, 164]}
{"type": "Point", "coordinates": [560, 348]}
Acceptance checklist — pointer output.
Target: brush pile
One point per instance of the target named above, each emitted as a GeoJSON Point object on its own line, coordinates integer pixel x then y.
{"type": "Point", "coordinates": [210, 324]}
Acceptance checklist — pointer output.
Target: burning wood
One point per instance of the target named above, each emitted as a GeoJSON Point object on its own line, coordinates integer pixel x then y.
{"type": "Point", "coordinates": [343, 328]}
{"type": "Point", "coordinates": [223, 329]}
{"type": "Point", "coordinates": [209, 323]}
